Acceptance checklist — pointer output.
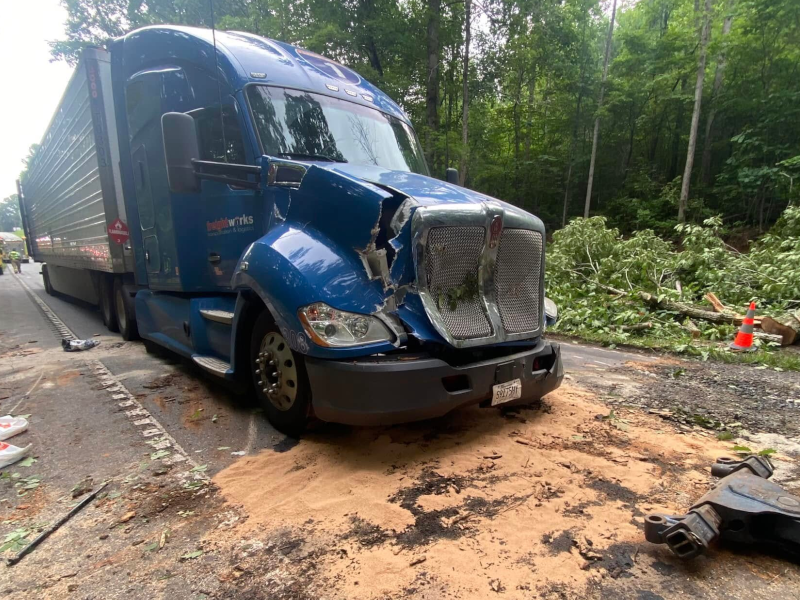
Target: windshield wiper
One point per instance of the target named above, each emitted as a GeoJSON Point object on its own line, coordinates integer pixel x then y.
{"type": "Point", "coordinates": [301, 156]}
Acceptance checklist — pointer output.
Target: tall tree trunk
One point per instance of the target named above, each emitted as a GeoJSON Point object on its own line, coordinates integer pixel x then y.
{"type": "Point", "coordinates": [374, 60]}
{"type": "Point", "coordinates": [698, 100]}
{"type": "Point", "coordinates": [530, 107]}
{"type": "Point", "coordinates": [567, 188]}
{"type": "Point", "coordinates": [517, 120]}
{"type": "Point", "coordinates": [462, 170]}
{"type": "Point", "coordinates": [599, 107]}
{"type": "Point", "coordinates": [432, 80]}
{"type": "Point", "coordinates": [676, 135]}
{"type": "Point", "coordinates": [367, 13]}
{"type": "Point", "coordinates": [708, 142]}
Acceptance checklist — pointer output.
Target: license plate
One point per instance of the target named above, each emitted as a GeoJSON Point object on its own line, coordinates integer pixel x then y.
{"type": "Point", "coordinates": [505, 392]}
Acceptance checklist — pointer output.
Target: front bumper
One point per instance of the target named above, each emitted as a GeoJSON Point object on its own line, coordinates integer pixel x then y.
{"type": "Point", "coordinates": [394, 389]}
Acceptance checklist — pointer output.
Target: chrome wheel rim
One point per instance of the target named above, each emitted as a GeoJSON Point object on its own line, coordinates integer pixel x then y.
{"type": "Point", "coordinates": [276, 371]}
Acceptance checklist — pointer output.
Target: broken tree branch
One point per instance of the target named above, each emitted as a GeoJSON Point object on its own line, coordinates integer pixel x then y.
{"type": "Point", "coordinates": [42, 536]}
{"type": "Point", "coordinates": [634, 327]}
{"type": "Point", "coordinates": [721, 308]}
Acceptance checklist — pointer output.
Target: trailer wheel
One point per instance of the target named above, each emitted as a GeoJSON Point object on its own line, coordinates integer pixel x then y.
{"type": "Point", "coordinates": [48, 287]}
{"type": "Point", "coordinates": [126, 314]}
{"type": "Point", "coordinates": [279, 377]}
{"type": "Point", "coordinates": [106, 293]}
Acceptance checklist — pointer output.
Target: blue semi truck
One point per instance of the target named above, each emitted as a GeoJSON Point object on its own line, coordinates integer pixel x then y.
{"type": "Point", "coordinates": [268, 214]}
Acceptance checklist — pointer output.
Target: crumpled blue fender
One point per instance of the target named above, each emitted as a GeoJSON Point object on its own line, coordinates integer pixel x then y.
{"type": "Point", "coordinates": [291, 267]}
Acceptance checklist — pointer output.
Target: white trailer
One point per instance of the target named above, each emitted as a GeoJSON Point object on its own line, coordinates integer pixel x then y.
{"type": "Point", "coordinates": [71, 195]}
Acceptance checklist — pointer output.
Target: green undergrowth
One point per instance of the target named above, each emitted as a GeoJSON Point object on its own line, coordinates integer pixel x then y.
{"type": "Point", "coordinates": [596, 276]}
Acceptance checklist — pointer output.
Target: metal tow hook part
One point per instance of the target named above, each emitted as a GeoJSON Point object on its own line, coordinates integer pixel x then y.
{"type": "Point", "coordinates": [742, 508]}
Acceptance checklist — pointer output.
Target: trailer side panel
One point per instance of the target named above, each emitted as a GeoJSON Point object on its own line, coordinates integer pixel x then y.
{"type": "Point", "coordinates": [70, 192]}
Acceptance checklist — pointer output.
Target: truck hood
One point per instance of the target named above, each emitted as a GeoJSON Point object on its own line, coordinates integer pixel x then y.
{"type": "Point", "coordinates": [425, 190]}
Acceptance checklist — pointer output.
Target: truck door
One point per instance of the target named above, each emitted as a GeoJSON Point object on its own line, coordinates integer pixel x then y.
{"type": "Point", "coordinates": [143, 103]}
{"type": "Point", "coordinates": [232, 217]}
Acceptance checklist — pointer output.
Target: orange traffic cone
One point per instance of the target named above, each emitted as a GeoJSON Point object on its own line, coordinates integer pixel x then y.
{"type": "Point", "coordinates": [744, 339]}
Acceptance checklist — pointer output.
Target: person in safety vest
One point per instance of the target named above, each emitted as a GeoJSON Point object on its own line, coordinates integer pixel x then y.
{"type": "Point", "coordinates": [15, 261]}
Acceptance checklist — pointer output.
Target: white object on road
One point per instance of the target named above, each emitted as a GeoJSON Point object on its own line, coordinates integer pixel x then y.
{"type": "Point", "coordinates": [78, 345]}
{"type": "Point", "coordinates": [11, 426]}
{"type": "Point", "coordinates": [10, 454]}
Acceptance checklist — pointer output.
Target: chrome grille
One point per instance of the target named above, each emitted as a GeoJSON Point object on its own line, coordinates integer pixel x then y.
{"type": "Point", "coordinates": [452, 257]}
{"type": "Point", "coordinates": [517, 280]}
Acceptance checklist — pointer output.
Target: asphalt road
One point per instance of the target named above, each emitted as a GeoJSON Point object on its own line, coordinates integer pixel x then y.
{"type": "Point", "coordinates": [206, 419]}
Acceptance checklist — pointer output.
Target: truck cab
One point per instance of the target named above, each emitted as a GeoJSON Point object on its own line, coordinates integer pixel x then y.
{"type": "Point", "coordinates": [287, 237]}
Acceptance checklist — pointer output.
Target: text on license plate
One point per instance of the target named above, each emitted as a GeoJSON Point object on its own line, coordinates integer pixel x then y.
{"type": "Point", "coordinates": [505, 392]}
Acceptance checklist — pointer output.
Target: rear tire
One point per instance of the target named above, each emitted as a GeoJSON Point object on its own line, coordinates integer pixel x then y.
{"type": "Point", "coordinates": [106, 293]}
{"type": "Point", "coordinates": [126, 313]}
{"type": "Point", "coordinates": [288, 407]}
{"type": "Point", "coordinates": [48, 287]}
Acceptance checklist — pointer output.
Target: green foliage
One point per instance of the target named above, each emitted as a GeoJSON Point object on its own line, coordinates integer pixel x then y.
{"type": "Point", "coordinates": [533, 83]}
{"type": "Point", "coordinates": [594, 275]}
{"type": "Point", "coordinates": [9, 214]}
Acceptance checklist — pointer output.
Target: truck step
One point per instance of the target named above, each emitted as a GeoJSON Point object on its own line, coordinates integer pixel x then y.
{"type": "Point", "coordinates": [213, 365]}
{"type": "Point", "coordinates": [220, 316]}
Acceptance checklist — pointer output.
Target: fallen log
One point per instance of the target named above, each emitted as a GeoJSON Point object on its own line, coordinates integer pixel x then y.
{"type": "Point", "coordinates": [690, 311]}
{"type": "Point", "coordinates": [768, 337]}
{"type": "Point", "coordinates": [679, 307]}
{"type": "Point", "coordinates": [786, 326]}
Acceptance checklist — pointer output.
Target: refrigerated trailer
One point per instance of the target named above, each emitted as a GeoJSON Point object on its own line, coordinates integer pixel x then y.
{"type": "Point", "coordinates": [71, 199]}
{"type": "Point", "coordinates": [267, 213]}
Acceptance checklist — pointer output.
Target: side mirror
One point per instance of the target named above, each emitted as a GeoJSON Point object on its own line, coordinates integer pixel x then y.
{"type": "Point", "coordinates": [180, 148]}
{"type": "Point", "coordinates": [451, 176]}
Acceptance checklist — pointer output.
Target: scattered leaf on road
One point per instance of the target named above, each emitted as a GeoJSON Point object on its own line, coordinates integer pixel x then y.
{"type": "Point", "coordinates": [127, 516]}
{"type": "Point", "coordinates": [191, 555]}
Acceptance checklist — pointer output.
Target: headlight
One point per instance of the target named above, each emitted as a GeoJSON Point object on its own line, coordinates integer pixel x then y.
{"type": "Point", "coordinates": [336, 328]}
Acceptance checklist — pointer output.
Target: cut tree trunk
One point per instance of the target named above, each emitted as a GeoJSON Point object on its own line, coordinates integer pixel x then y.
{"type": "Point", "coordinates": [786, 326]}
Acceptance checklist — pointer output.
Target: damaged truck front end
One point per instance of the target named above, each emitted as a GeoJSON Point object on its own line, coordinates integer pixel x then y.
{"type": "Point", "coordinates": [405, 296]}
{"type": "Point", "coordinates": [341, 280]}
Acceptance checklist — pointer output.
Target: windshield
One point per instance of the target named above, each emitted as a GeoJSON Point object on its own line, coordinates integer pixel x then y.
{"type": "Point", "coordinates": [306, 126]}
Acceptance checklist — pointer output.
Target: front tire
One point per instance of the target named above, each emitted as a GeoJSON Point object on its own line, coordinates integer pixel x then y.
{"type": "Point", "coordinates": [279, 378]}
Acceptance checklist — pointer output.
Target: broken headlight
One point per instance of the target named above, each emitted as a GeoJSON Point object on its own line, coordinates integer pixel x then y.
{"type": "Point", "coordinates": [336, 328]}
